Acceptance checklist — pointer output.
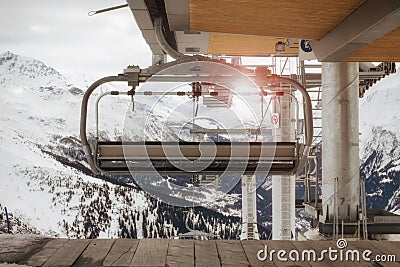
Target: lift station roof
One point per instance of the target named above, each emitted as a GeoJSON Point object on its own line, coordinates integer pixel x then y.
{"type": "Point", "coordinates": [346, 30]}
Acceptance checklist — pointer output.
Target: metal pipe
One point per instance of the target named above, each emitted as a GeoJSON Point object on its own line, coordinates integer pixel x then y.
{"type": "Point", "coordinates": [84, 107]}
{"type": "Point", "coordinates": [284, 66]}
{"type": "Point", "coordinates": [158, 29]}
{"type": "Point", "coordinates": [97, 112]}
{"type": "Point", "coordinates": [297, 111]}
{"type": "Point", "coordinates": [303, 74]}
{"type": "Point", "coordinates": [364, 209]}
{"type": "Point", "coordinates": [316, 182]}
{"type": "Point", "coordinates": [190, 93]}
{"type": "Point", "coordinates": [91, 13]}
{"type": "Point", "coordinates": [97, 106]}
{"type": "Point", "coordinates": [7, 221]}
{"type": "Point", "coordinates": [306, 191]}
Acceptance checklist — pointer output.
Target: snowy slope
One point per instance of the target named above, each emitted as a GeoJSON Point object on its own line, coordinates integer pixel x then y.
{"type": "Point", "coordinates": [380, 107]}
{"type": "Point", "coordinates": [37, 108]}
{"type": "Point", "coordinates": [379, 143]}
{"type": "Point", "coordinates": [44, 180]}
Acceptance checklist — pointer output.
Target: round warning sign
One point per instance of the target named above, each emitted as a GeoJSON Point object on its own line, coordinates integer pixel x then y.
{"type": "Point", "coordinates": [275, 119]}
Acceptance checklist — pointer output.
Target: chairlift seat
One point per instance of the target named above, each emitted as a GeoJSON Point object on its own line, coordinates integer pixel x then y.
{"type": "Point", "coordinates": [114, 157]}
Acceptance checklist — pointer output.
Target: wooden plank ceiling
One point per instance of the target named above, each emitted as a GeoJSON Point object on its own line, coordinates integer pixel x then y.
{"type": "Point", "coordinates": [238, 44]}
{"type": "Point", "coordinates": [230, 20]}
{"type": "Point", "coordinates": [310, 19]}
{"type": "Point", "coordinates": [386, 48]}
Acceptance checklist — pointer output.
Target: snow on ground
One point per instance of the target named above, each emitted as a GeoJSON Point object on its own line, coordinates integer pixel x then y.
{"type": "Point", "coordinates": [43, 192]}
{"type": "Point", "coordinates": [37, 107]}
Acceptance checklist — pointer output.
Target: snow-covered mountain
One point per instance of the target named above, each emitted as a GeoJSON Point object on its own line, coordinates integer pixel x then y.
{"type": "Point", "coordinates": [382, 170]}
{"type": "Point", "coordinates": [29, 71]}
{"type": "Point", "coordinates": [380, 107]}
{"type": "Point", "coordinates": [45, 182]}
{"type": "Point", "coordinates": [47, 187]}
{"type": "Point", "coordinates": [380, 143]}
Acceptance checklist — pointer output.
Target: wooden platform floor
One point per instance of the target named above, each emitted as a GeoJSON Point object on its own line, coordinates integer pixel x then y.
{"type": "Point", "coordinates": [35, 251]}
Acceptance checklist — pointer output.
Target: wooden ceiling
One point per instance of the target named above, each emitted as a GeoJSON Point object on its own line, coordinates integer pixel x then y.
{"type": "Point", "coordinates": [229, 21]}
{"type": "Point", "coordinates": [386, 48]}
{"type": "Point", "coordinates": [310, 19]}
{"type": "Point", "coordinates": [236, 44]}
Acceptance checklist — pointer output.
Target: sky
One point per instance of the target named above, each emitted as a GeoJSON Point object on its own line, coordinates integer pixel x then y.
{"type": "Point", "coordinates": [62, 35]}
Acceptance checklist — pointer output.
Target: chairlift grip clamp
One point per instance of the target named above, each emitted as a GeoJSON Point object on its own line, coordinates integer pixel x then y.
{"type": "Point", "coordinates": [133, 73]}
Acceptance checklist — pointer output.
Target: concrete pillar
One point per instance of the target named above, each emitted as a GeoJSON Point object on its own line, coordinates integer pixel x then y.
{"type": "Point", "coordinates": [340, 137]}
{"type": "Point", "coordinates": [283, 186]}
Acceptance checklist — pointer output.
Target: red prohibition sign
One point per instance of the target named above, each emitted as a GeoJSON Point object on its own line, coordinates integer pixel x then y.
{"type": "Point", "coordinates": [275, 119]}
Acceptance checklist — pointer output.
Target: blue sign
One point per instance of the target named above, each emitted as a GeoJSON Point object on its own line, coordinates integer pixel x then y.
{"type": "Point", "coordinates": [305, 46]}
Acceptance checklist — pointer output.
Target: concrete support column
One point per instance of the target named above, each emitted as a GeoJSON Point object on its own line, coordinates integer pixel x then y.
{"type": "Point", "coordinates": [340, 141]}
{"type": "Point", "coordinates": [283, 186]}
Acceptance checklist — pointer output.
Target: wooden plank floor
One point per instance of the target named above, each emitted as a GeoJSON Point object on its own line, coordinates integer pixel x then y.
{"type": "Point", "coordinates": [37, 251]}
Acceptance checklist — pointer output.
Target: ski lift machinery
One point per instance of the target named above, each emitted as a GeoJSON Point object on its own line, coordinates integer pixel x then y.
{"type": "Point", "coordinates": [248, 158]}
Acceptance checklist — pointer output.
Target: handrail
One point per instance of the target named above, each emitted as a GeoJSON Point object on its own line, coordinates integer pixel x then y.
{"type": "Point", "coordinates": [84, 107]}
{"type": "Point", "coordinates": [97, 111]}
{"type": "Point", "coordinates": [116, 93]}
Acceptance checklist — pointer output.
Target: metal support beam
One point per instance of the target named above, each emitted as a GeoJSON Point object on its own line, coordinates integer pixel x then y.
{"type": "Point", "coordinates": [249, 208]}
{"type": "Point", "coordinates": [340, 142]}
{"type": "Point", "coordinates": [283, 186]}
{"type": "Point", "coordinates": [145, 24]}
{"type": "Point", "coordinates": [283, 207]}
{"type": "Point", "coordinates": [159, 59]}
{"type": "Point", "coordinates": [178, 14]}
{"type": "Point", "coordinates": [371, 21]}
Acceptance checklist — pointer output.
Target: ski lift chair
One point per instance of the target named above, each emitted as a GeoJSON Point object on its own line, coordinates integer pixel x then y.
{"type": "Point", "coordinates": [116, 157]}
